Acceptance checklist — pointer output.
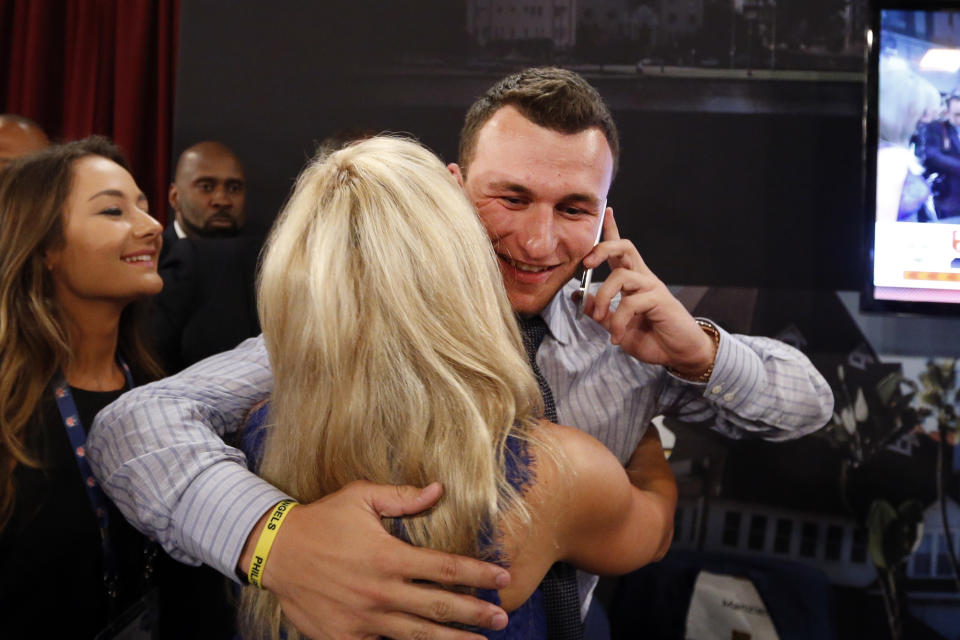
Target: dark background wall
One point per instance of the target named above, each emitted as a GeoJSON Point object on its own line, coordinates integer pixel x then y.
{"type": "Point", "coordinates": [742, 182]}
{"type": "Point", "coordinates": [743, 191]}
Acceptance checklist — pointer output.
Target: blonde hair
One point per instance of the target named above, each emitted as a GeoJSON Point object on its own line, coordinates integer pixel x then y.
{"type": "Point", "coordinates": [395, 352]}
{"type": "Point", "coordinates": [933, 101]}
{"type": "Point", "coordinates": [903, 98]}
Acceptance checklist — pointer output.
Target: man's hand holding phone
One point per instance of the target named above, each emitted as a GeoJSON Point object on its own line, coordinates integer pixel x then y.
{"type": "Point", "coordinates": [649, 323]}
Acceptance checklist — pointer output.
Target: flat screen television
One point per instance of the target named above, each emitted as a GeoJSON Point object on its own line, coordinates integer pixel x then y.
{"type": "Point", "coordinates": [912, 157]}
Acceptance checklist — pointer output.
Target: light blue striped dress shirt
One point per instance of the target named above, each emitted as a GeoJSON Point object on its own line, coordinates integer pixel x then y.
{"type": "Point", "coordinates": [160, 455]}
{"type": "Point", "coordinates": [759, 386]}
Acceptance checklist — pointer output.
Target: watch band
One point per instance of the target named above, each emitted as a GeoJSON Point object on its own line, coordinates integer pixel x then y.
{"type": "Point", "coordinates": [712, 331]}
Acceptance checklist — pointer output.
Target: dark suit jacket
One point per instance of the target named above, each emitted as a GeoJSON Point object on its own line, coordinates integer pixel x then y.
{"type": "Point", "coordinates": [208, 303]}
{"type": "Point", "coordinates": [169, 239]}
{"type": "Point", "coordinates": [940, 153]}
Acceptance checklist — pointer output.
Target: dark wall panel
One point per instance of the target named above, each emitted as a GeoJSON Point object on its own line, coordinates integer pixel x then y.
{"type": "Point", "coordinates": [740, 182]}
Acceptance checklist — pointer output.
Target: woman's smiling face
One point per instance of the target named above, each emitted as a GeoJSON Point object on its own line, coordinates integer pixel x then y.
{"type": "Point", "coordinates": [110, 243]}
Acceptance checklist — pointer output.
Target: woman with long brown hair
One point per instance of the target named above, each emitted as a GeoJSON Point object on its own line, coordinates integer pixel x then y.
{"type": "Point", "coordinates": [78, 252]}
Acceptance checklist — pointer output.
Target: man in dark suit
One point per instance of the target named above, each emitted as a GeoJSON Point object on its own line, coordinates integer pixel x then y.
{"type": "Point", "coordinates": [207, 195]}
{"type": "Point", "coordinates": [207, 304]}
{"type": "Point", "coordinates": [940, 153]}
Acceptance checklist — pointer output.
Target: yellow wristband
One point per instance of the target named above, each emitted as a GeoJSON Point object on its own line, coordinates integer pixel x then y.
{"type": "Point", "coordinates": [267, 536]}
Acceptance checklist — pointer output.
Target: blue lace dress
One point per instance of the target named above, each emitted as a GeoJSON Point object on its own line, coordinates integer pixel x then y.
{"type": "Point", "coordinates": [528, 621]}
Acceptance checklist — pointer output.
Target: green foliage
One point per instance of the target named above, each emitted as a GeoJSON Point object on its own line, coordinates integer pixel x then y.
{"type": "Point", "coordinates": [940, 393]}
{"type": "Point", "coordinates": [892, 534]}
{"type": "Point", "coordinates": [862, 432]}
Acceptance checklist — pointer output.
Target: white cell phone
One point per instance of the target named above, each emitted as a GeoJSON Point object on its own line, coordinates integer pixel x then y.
{"type": "Point", "coordinates": [588, 273]}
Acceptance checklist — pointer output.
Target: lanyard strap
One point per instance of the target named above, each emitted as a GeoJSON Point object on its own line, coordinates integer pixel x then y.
{"type": "Point", "coordinates": [98, 501]}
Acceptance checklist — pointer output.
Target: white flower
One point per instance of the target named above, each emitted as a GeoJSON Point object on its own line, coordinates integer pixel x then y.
{"type": "Point", "coordinates": [860, 406]}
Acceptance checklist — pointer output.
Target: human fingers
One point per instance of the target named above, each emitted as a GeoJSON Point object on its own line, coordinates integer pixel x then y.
{"type": "Point", "coordinates": [588, 303]}
{"type": "Point", "coordinates": [610, 230]}
{"type": "Point", "coordinates": [610, 234]}
{"type": "Point", "coordinates": [432, 602]}
{"type": "Point", "coordinates": [653, 326]}
{"type": "Point", "coordinates": [415, 574]}
{"type": "Point", "coordinates": [417, 563]}
{"type": "Point", "coordinates": [619, 253]}
{"type": "Point", "coordinates": [625, 282]}
{"type": "Point", "coordinates": [343, 599]}
{"type": "Point", "coordinates": [399, 500]}
{"type": "Point", "coordinates": [632, 309]}
{"type": "Point", "coordinates": [324, 624]}
{"type": "Point", "coordinates": [388, 622]}
{"type": "Point", "coordinates": [401, 626]}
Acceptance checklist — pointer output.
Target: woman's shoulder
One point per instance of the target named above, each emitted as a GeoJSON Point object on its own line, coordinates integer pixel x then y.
{"type": "Point", "coordinates": [571, 460]}
{"type": "Point", "coordinates": [575, 479]}
{"type": "Point", "coordinates": [586, 495]}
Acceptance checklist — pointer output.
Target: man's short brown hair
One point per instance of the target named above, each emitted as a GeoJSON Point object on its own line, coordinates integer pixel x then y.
{"type": "Point", "coordinates": [549, 97]}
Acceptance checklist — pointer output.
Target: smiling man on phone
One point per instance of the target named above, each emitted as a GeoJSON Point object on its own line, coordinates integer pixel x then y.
{"type": "Point", "coordinates": [538, 152]}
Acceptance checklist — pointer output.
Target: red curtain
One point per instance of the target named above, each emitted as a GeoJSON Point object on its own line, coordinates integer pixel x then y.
{"type": "Point", "coordinates": [80, 67]}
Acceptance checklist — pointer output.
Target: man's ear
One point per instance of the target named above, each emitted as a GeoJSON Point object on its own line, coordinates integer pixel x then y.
{"type": "Point", "coordinates": [173, 196]}
{"type": "Point", "coordinates": [454, 169]}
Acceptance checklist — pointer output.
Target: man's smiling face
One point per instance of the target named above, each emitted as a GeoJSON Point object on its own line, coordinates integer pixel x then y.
{"type": "Point", "coordinates": [540, 195]}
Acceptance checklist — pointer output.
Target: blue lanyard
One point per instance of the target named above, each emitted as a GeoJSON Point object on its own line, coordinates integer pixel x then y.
{"type": "Point", "coordinates": [98, 501]}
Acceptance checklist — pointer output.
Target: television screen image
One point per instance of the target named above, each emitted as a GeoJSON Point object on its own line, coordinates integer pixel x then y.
{"type": "Point", "coordinates": [913, 159]}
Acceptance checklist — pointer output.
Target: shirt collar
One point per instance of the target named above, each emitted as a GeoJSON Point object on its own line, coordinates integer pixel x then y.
{"type": "Point", "coordinates": [560, 312]}
{"type": "Point", "coordinates": [178, 229]}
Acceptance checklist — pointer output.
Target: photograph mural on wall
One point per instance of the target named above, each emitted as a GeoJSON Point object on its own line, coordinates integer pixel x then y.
{"type": "Point", "coordinates": [720, 55]}
{"type": "Point", "coordinates": [661, 36]}
{"type": "Point", "coordinates": [849, 532]}
{"type": "Point", "coordinates": [669, 36]}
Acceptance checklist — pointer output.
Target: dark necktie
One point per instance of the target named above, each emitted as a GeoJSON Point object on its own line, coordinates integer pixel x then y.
{"type": "Point", "coordinates": [559, 586]}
